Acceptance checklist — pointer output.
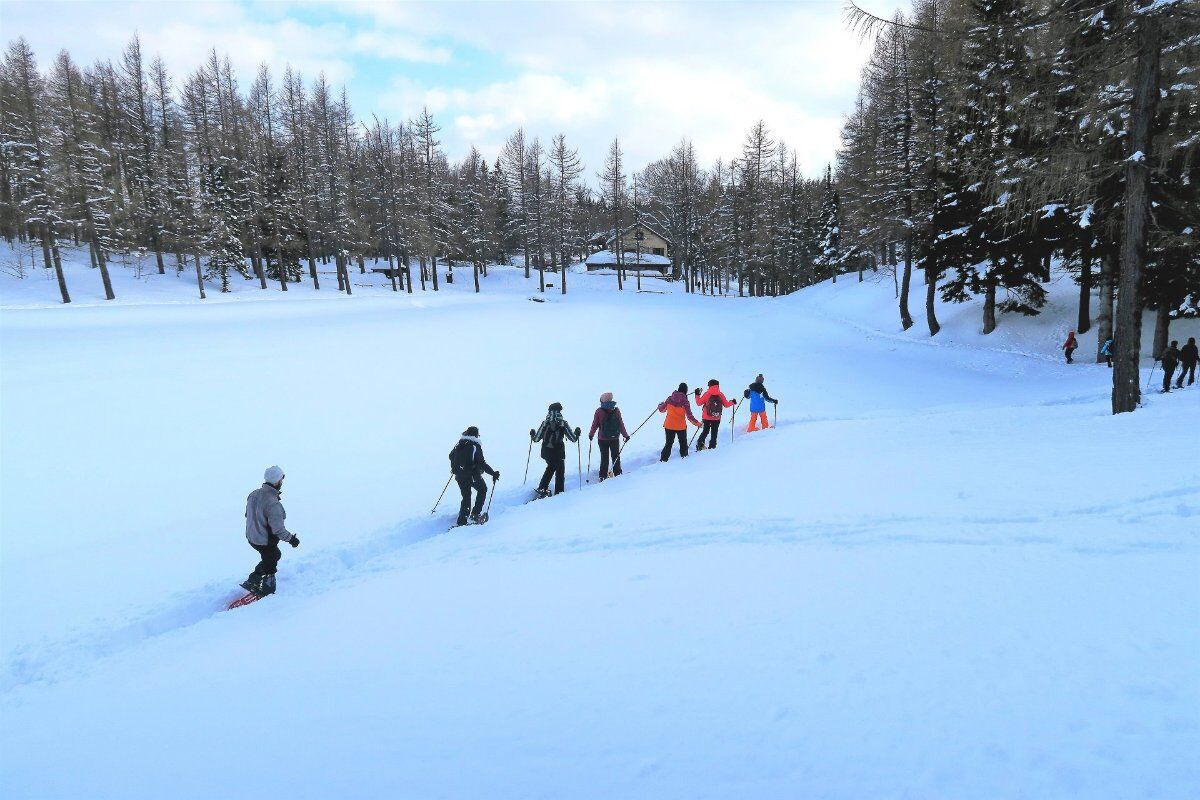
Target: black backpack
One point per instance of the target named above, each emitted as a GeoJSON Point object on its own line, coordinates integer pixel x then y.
{"type": "Point", "coordinates": [462, 457]}
{"type": "Point", "coordinates": [611, 427]}
{"type": "Point", "coordinates": [714, 406]}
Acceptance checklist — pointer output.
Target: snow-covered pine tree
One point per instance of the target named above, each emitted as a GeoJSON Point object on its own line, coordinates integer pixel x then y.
{"type": "Point", "coordinates": [615, 194]}
{"type": "Point", "coordinates": [26, 138]}
{"type": "Point", "coordinates": [82, 158]}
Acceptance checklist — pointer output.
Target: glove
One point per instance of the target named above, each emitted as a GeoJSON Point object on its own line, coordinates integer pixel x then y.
{"type": "Point", "coordinates": [775, 402]}
{"type": "Point", "coordinates": [578, 431]}
{"type": "Point", "coordinates": [696, 392]}
{"type": "Point", "coordinates": [496, 475]}
{"type": "Point", "coordinates": [295, 542]}
{"type": "Point", "coordinates": [627, 438]}
{"type": "Point", "coordinates": [532, 433]}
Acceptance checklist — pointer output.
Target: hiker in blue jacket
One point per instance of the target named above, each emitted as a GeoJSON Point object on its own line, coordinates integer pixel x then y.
{"type": "Point", "coordinates": [758, 397]}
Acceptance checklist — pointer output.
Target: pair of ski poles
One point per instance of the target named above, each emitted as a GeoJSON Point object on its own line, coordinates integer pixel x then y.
{"type": "Point", "coordinates": [486, 512]}
{"type": "Point", "coordinates": [578, 459]}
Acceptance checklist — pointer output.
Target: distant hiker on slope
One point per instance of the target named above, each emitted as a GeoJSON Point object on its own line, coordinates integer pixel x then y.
{"type": "Point", "coordinates": [675, 425]}
{"type": "Point", "coordinates": [758, 397]}
{"type": "Point", "coordinates": [265, 529]}
{"type": "Point", "coordinates": [1170, 360]}
{"type": "Point", "coordinates": [611, 426]}
{"type": "Point", "coordinates": [1106, 350]}
{"type": "Point", "coordinates": [712, 404]}
{"type": "Point", "coordinates": [1069, 346]}
{"type": "Point", "coordinates": [551, 433]}
{"type": "Point", "coordinates": [468, 465]}
{"type": "Point", "coordinates": [1188, 357]}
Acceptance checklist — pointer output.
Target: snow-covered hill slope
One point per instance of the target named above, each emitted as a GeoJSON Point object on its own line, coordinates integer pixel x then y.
{"type": "Point", "coordinates": [947, 573]}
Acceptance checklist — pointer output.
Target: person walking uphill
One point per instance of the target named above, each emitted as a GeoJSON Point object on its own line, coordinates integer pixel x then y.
{"type": "Point", "coordinates": [551, 433]}
{"type": "Point", "coordinates": [1170, 360]}
{"type": "Point", "coordinates": [611, 426]}
{"type": "Point", "coordinates": [468, 465]}
{"type": "Point", "coordinates": [675, 425]}
{"type": "Point", "coordinates": [1070, 346]}
{"type": "Point", "coordinates": [1188, 356]}
{"type": "Point", "coordinates": [1106, 350]}
{"type": "Point", "coordinates": [265, 529]}
{"type": "Point", "coordinates": [712, 404]}
{"type": "Point", "coordinates": [758, 397]}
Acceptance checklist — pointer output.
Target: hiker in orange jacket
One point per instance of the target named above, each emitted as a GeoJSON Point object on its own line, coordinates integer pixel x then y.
{"type": "Point", "coordinates": [675, 425]}
{"type": "Point", "coordinates": [713, 404]}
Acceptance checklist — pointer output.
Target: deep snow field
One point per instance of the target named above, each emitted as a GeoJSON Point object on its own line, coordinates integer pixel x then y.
{"type": "Point", "coordinates": [949, 572]}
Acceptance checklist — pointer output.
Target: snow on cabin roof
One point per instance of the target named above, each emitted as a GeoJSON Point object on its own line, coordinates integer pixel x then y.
{"type": "Point", "coordinates": [605, 257]}
{"type": "Point", "coordinates": [652, 228]}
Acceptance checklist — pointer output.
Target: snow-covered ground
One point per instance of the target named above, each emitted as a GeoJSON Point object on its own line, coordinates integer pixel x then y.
{"type": "Point", "coordinates": [949, 572]}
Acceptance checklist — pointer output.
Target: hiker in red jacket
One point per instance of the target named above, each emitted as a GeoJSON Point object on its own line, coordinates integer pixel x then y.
{"type": "Point", "coordinates": [1069, 346]}
{"type": "Point", "coordinates": [611, 426]}
{"type": "Point", "coordinates": [713, 404]}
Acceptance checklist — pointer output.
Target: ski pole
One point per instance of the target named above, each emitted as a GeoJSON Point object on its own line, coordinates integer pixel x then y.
{"type": "Point", "coordinates": [1150, 376]}
{"type": "Point", "coordinates": [733, 420]}
{"type": "Point", "coordinates": [775, 413]}
{"type": "Point", "coordinates": [527, 457]}
{"type": "Point", "coordinates": [579, 462]}
{"type": "Point", "coordinates": [695, 433]}
{"type": "Point", "coordinates": [488, 511]}
{"type": "Point", "coordinates": [443, 494]}
{"type": "Point", "coordinates": [589, 473]}
{"type": "Point", "coordinates": [635, 430]}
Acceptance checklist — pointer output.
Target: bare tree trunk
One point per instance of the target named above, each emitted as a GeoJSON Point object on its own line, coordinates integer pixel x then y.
{"type": "Point", "coordinates": [905, 316]}
{"type": "Point", "coordinates": [51, 261]}
{"type": "Point", "coordinates": [1162, 330]}
{"type": "Point", "coordinates": [931, 279]}
{"type": "Point", "coordinates": [1084, 322]}
{"type": "Point", "coordinates": [1126, 392]}
{"type": "Point", "coordinates": [476, 271]}
{"type": "Point", "coordinates": [1104, 315]}
{"type": "Point", "coordinates": [989, 305]}
{"type": "Point", "coordinates": [199, 275]}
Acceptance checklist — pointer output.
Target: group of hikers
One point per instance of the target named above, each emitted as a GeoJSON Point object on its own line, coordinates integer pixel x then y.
{"type": "Point", "coordinates": [265, 517]}
{"type": "Point", "coordinates": [1174, 357]}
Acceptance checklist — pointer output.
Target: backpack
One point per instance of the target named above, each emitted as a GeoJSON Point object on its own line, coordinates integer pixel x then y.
{"type": "Point", "coordinates": [462, 457]}
{"type": "Point", "coordinates": [714, 407]}
{"type": "Point", "coordinates": [611, 427]}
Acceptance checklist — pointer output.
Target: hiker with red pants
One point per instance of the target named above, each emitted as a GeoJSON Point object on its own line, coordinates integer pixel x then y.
{"type": "Point", "coordinates": [675, 425]}
{"type": "Point", "coordinates": [712, 404]}
{"type": "Point", "coordinates": [1070, 345]}
{"type": "Point", "coordinates": [758, 397]}
{"type": "Point", "coordinates": [608, 422]}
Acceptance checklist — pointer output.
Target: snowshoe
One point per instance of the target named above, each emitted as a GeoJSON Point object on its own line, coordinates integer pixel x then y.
{"type": "Point", "coordinates": [479, 519]}
{"type": "Point", "coordinates": [538, 494]}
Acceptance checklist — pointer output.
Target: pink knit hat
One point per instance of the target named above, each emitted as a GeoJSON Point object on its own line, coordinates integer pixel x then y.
{"type": "Point", "coordinates": [606, 397]}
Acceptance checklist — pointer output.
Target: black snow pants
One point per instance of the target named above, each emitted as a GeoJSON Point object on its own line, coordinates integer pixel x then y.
{"type": "Point", "coordinates": [1188, 371]}
{"type": "Point", "coordinates": [610, 451]}
{"type": "Point", "coordinates": [710, 430]}
{"type": "Point", "coordinates": [465, 484]}
{"type": "Point", "coordinates": [556, 468]}
{"type": "Point", "coordinates": [683, 444]}
{"type": "Point", "coordinates": [1168, 372]}
{"type": "Point", "coordinates": [269, 556]}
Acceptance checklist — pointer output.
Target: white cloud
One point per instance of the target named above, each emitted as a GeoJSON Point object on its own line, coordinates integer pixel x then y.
{"type": "Point", "coordinates": [649, 73]}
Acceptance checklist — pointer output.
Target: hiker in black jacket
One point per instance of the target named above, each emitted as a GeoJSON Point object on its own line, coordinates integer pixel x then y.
{"type": "Point", "coordinates": [1170, 360]}
{"type": "Point", "coordinates": [551, 433]}
{"type": "Point", "coordinates": [1188, 356]}
{"type": "Point", "coordinates": [468, 465]}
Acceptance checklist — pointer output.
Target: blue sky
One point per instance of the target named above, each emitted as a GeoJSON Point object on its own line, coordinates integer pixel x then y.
{"type": "Point", "coordinates": [650, 73]}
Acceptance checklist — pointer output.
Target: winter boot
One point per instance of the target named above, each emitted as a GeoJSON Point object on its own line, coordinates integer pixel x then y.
{"type": "Point", "coordinates": [253, 584]}
{"type": "Point", "coordinates": [268, 586]}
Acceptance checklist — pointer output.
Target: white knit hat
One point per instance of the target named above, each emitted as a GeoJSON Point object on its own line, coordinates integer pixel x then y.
{"type": "Point", "coordinates": [273, 475]}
